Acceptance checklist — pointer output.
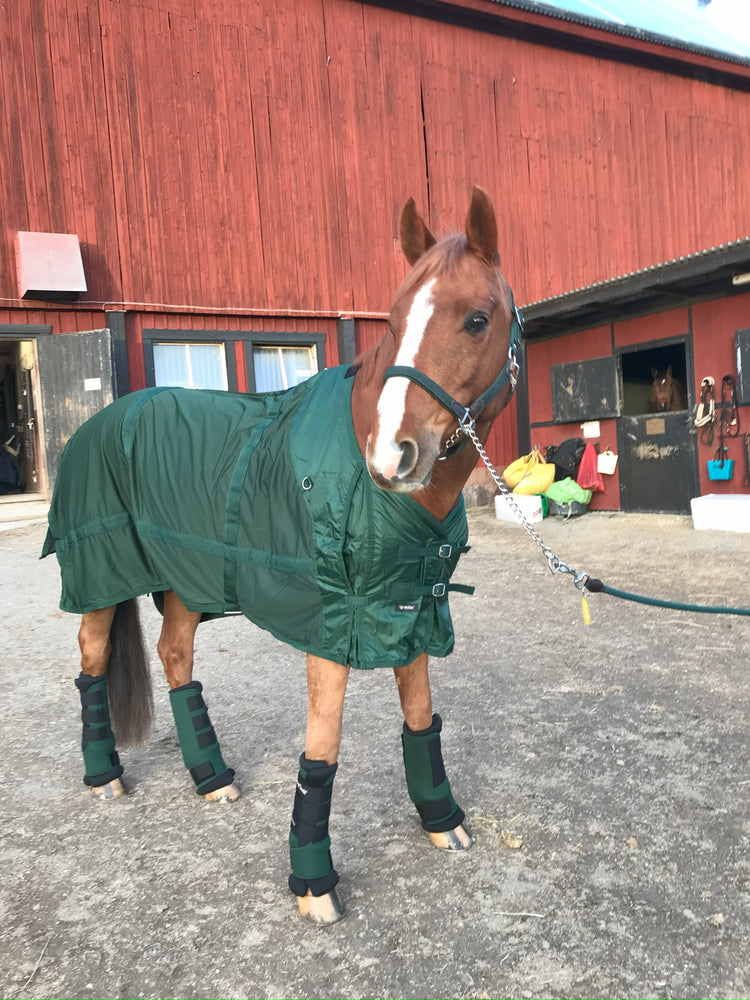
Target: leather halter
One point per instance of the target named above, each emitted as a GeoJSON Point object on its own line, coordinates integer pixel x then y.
{"type": "Point", "coordinates": [468, 415]}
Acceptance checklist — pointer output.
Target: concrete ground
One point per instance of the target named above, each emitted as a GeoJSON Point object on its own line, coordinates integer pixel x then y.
{"type": "Point", "coordinates": [604, 770]}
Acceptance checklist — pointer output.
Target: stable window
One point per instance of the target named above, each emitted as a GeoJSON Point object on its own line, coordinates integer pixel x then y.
{"type": "Point", "coordinates": [190, 365]}
{"type": "Point", "coordinates": [280, 367]}
{"type": "Point", "coordinates": [270, 361]}
{"type": "Point", "coordinates": [584, 390]}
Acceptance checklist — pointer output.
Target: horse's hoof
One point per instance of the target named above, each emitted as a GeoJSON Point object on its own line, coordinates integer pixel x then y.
{"type": "Point", "coordinates": [112, 790]}
{"type": "Point", "coordinates": [458, 839]}
{"type": "Point", "coordinates": [326, 909]}
{"type": "Point", "coordinates": [229, 793]}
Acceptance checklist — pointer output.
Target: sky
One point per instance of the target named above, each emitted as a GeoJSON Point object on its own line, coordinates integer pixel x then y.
{"type": "Point", "coordinates": [720, 24]}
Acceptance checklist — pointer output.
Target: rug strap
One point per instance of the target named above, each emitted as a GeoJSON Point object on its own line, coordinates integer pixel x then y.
{"type": "Point", "coordinates": [100, 759]}
{"type": "Point", "coordinates": [198, 741]}
{"type": "Point", "coordinates": [426, 780]}
{"type": "Point", "coordinates": [309, 843]}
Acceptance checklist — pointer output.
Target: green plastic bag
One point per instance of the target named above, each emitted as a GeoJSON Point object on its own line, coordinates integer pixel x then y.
{"type": "Point", "coordinates": [568, 491]}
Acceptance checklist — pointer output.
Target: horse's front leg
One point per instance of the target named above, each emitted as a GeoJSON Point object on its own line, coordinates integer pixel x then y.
{"type": "Point", "coordinates": [314, 879]}
{"type": "Point", "coordinates": [429, 788]}
{"type": "Point", "coordinates": [201, 752]}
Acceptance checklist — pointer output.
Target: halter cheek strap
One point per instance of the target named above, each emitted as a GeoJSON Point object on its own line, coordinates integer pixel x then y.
{"type": "Point", "coordinates": [469, 414]}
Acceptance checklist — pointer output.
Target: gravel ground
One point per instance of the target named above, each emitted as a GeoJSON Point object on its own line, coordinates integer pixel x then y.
{"type": "Point", "coordinates": [604, 771]}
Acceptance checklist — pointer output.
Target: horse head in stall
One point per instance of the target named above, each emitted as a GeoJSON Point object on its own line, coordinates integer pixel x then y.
{"type": "Point", "coordinates": [667, 392]}
{"type": "Point", "coordinates": [341, 544]}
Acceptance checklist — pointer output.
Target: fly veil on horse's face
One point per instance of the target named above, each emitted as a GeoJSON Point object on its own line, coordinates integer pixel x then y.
{"type": "Point", "coordinates": [455, 331]}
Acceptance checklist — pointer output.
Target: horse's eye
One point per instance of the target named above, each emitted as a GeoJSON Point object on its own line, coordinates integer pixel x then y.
{"type": "Point", "coordinates": [477, 322]}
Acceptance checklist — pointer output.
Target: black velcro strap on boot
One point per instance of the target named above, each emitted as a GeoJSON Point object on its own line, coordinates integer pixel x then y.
{"type": "Point", "coordinates": [207, 739]}
{"type": "Point", "coordinates": [309, 843]}
{"type": "Point", "coordinates": [91, 734]}
{"type": "Point", "coordinates": [201, 721]}
{"type": "Point", "coordinates": [96, 780]}
{"type": "Point", "coordinates": [317, 886]}
{"type": "Point", "coordinates": [92, 699]}
{"type": "Point", "coordinates": [312, 801]}
{"type": "Point", "coordinates": [202, 772]}
{"type": "Point", "coordinates": [94, 716]}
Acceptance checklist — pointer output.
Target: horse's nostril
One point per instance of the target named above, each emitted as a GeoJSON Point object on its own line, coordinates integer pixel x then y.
{"type": "Point", "coordinates": [408, 460]}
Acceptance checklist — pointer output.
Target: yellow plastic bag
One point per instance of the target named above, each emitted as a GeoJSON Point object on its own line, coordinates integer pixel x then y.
{"type": "Point", "coordinates": [515, 472]}
{"type": "Point", "coordinates": [538, 479]}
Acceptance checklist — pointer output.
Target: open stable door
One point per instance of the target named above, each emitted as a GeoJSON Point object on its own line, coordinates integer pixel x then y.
{"type": "Point", "coordinates": [75, 373]}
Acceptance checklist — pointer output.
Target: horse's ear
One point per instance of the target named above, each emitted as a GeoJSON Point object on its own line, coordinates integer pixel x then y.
{"type": "Point", "coordinates": [415, 237]}
{"type": "Point", "coordinates": [654, 373]}
{"type": "Point", "coordinates": [481, 227]}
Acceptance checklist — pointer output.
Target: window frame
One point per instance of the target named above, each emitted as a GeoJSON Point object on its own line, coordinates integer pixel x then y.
{"type": "Point", "coordinates": [249, 338]}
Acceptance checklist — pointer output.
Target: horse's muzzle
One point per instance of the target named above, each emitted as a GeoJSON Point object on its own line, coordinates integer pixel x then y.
{"type": "Point", "coordinates": [402, 467]}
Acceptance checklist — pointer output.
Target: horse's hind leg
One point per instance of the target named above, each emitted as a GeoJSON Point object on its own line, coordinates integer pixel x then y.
{"type": "Point", "coordinates": [101, 761]}
{"type": "Point", "coordinates": [314, 879]}
{"type": "Point", "coordinates": [426, 780]}
{"type": "Point", "coordinates": [198, 741]}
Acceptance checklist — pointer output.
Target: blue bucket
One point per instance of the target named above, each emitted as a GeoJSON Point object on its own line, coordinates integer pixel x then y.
{"type": "Point", "coordinates": [721, 470]}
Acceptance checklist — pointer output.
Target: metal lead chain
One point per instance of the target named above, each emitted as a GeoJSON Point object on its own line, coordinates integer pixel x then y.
{"type": "Point", "coordinates": [555, 563]}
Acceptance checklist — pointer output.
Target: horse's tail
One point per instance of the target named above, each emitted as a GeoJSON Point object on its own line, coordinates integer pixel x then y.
{"type": "Point", "coordinates": [131, 702]}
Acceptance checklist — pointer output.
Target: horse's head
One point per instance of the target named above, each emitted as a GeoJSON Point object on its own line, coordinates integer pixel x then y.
{"type": "Point", "coordinates": [451, 324]}
{"type": "Point", "coordinates": [662, 389]}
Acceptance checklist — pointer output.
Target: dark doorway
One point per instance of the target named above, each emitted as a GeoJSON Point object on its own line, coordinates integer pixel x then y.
{"type": "Point", "coordinates": [20, 455]}
{"type": "Point", "coordinates": [658, 450]}
{"type": "Point", "coordinates": [638, 367]}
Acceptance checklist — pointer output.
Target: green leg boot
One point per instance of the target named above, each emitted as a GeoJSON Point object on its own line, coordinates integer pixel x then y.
{"type": "Point", "coordinates": [100, 759]}
{"type": "Point", "coordinates": [200, 747]}
{"type": "Point", "coordinates": [309, 843]}
{"type": "Point", "coordinates": [429, 788]}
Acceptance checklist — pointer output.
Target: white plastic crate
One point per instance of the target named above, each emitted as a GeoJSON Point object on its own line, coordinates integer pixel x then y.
{"type": "Point", "coordinates": [721, 512]}
{"type": "Point", "coordinates": [531, 507]}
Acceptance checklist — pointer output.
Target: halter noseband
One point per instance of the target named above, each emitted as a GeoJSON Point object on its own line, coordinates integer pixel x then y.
{"type": "Point", "coordinates": [468, 415]}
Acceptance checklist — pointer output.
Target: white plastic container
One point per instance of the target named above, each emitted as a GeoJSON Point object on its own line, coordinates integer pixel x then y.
{"type": "Point", "coordinates": [721, 512]}
{"type": "Point", "coordinates": [530, 505]}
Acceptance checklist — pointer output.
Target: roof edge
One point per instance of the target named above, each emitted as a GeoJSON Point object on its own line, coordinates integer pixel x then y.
{"type": "Point", "coordinates": [706, 273]}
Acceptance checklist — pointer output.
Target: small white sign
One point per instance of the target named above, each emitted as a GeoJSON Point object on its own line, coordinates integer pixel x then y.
{"type": "Point", "coordinates": [92, 384]}
{"type": "Point", "coordinates": [591, 429]}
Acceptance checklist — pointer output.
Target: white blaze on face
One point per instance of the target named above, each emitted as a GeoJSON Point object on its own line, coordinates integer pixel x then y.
{"type": "Point", "coordinates": [386, 454]}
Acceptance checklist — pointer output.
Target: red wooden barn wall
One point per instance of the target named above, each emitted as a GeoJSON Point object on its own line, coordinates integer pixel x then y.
{"type": "Point", "coordinates": [251, 158]}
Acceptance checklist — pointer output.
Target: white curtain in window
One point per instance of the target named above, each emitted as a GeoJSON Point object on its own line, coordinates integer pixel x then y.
{"type": "Point", "coordinates": [282, 367]}
{"type": "Point", "coordinates": [193, 366]}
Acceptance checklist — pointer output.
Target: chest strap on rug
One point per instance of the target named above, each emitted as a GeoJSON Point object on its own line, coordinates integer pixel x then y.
{"type": "Point", "coordinates": [438, 550]}
{"type": "Point", "coordinates": [407, 591]}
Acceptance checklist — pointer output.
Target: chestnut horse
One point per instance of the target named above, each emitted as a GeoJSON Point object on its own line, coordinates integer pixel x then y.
{"type": "Point", "coordinates": [447, 360]}
{"type": "Point", "coordinates": [667, 392]}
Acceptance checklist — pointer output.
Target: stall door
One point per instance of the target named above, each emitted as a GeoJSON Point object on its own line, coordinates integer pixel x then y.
{"type": "Point", "coordinates": [75, 374]}
{"type": "Point", "coordinates": [658, 462]}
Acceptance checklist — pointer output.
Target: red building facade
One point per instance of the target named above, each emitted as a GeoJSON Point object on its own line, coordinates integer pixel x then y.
{"type": "Point", "coordinates": [234, 173]}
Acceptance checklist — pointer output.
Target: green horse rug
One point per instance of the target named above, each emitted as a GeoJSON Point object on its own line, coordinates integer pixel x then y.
{"type": "Point", "coordinates": [260, 505]}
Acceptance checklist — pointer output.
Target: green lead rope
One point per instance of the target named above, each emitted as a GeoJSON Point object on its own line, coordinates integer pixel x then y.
{"type": "Point", "coordinates": [597, 587]}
